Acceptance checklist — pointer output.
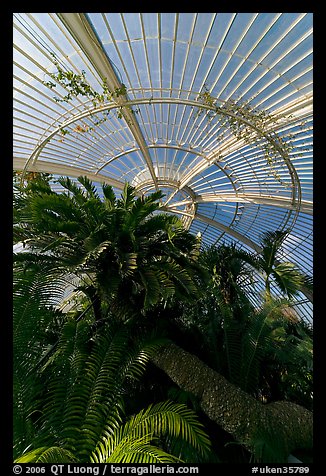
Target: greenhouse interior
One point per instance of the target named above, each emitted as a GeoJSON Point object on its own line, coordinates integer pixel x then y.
{"type": "Point", "coordinates": [162, 225]}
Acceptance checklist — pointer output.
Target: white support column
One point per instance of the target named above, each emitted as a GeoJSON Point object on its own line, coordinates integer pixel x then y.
{"type": "Point", "coordinates": [60, 169]}
{"type": "Point", "coordinates": [81, 30]}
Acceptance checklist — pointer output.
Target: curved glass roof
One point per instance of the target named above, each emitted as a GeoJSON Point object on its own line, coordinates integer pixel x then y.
{"type": "Point", "coordinates": [177, 68]}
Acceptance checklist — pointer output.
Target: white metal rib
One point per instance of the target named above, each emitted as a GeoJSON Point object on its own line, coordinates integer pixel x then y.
{"type": "Point", "coordinates": [282, 202]}
{"type": "Point", "coordinates": [60, 169]}
{"type": "Point", "coordinates": [80, 29]}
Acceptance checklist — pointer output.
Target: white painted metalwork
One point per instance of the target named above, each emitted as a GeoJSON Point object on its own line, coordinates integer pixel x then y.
{"type": "Point", "coordinates": [221, 186]}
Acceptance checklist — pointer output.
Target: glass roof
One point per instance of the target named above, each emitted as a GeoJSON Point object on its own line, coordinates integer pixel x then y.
{"type": "Point", "coordinates": [161, 134]}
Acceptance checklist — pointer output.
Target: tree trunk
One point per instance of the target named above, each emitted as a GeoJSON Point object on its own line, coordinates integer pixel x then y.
{"type": "Point", "coordinates": [283, 423]}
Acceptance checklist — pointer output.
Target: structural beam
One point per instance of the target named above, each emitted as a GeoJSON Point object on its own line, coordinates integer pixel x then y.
{"type": "Point", "coordinates": [65, 170]}
{"type": "Point", "coordinates": [229, 231]}
{"type": "Point", "coordinates": [259, 199]}
{"type": "Point", "coordinates": [60, 169]}
{"type": "Point", "coordinates": [83, 33]}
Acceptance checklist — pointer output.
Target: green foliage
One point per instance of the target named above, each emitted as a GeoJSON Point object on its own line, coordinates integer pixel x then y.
{"type": "Point", "coordinates": [136, 266]}
{"type": "Point", "coordinates": [258, 341]}
{"type": "Point", "coordinates": [47, 455]}
{"type": "Point", "coordinates": [136, 259]}
{"type": "Point", "coordinates": [267, 447]}
{"type": "Point", "coordinates": [76, 85]}
{"type": "Point", "coordinates": [252, 125]}
{"type": "Point", "coordinates": [287, 276]}
{"type": "Point", "coordinates": [82, 413]}
{"type": "Point", "coordinates": [266, 351]}
{"type": "Point", "coordinates": [130, 443]}
{"type": "Point", "coordinates": [33, 320]}
{"type": "Point", "coordinates": [228, 270]}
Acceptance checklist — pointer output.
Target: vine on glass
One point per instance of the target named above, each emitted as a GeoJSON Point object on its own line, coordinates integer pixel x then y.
{"type": "Point", "coordinates": [250, 125]}
{"type": "Point", "coordinates": [76, 85]}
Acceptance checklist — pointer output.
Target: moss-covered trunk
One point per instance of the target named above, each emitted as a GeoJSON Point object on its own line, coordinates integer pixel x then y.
{"type": "Point", "coordinates": [283, 423]}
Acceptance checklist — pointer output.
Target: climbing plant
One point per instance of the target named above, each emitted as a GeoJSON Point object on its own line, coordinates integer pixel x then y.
{"type": "Point", "coordinates": [249, 124]}
{"type": "Point", "coordinates": [76, 85]}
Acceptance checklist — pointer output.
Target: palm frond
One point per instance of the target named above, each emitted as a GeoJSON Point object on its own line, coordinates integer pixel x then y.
{"type": "Point", "coordinates": [33, 316]}
{"type": "Point", "coordinates": [258, 341]}
{"type": "Point", "coordinates": [141, 209]}
{"type": "Point", "coordinates": [271, 243]}
{"type": "Point", "coordinates": [289, 278]}
{"type": "Point", "coordinates": [152, 287]}
{"type": "Point", "coordinates": [72, 187]}
{"type": "Point", "coordinates": [52, 454]}
{"type": "Point", "coordinates": [164, 418]}
{"type": "Point", "coordinates": [156, 225]}
{"type": "Point", "coordinates": [86, 384]}
{"type": "Point", "coordinates": [273, 240]}
{"type": "Point", "coordinates": [131, 449]}
{"type": "Point", "coordinates": [127, 197]}
{"type": "Point", "coordinates": [63, 371]}
{"type": "Point", "coordinates": [109, 196]}
{"type": "Point", "coordinates": [89, 187]}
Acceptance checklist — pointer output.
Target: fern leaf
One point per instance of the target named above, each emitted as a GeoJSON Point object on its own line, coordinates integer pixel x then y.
{"type": "Point", "coordinates": [52, 454]}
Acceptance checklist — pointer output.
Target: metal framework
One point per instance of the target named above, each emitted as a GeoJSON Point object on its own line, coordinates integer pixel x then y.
{"type": "Point", "coordinates": [165, 138]}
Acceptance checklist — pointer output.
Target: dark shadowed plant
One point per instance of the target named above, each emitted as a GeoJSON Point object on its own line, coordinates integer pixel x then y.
{"type": "Point", "coordinates": [69, 406]}
{"type": "Point", "coordinates": [123, 253]}
{"type": "Point", "coordinates": [135, 265]}
{"type": "Point", "coordinates": [289, 279]}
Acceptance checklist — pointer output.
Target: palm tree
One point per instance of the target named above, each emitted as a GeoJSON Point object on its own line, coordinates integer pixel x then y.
{"type": "Point", "coordinates": [69, 406]}
{"type": "Point", "coordinates": [221, 311]}
{"type": "Point", "coordinates": [123, 253]}
{"type": "Point", "coordinates": [238, 340]}
{"type": "Point", "coordinates": [287, 276]}
{"type": "Point", "coordinates": [130, 260]}
{"type": "Point", "coordinates": [243, 340]}
{"type": "Point", "coordinates": [228, 270]}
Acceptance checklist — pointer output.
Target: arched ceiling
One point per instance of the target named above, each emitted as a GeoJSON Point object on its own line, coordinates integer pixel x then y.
{"type": "Point", "coordinates": [160, 134]}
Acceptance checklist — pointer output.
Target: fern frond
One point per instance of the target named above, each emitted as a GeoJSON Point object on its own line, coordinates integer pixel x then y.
{"type": "Point", "coordinates": [170, 418]}
{"type": "Point", "coordinates": [63, 410]}
{"type": "Point", "coordinates": [112, 362]}
{"type": "Point", "coordinates": [33, 317]}
{"type": "Point", "coordinates": [165, 418]}
{"type": "Point", "coordinates": [131, 450]}
{"type": "Point", "coordinates": [52, 454]}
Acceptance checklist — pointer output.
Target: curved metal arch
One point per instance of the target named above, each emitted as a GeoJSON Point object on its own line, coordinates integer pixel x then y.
{"type": "Point", "coordinates": [173, 147]}
{"type": "Point", "coordinates": [61, 169]}
{"type": "Point", "coordinates": [162, 100]}
{"type": "Point", "coordinates": [48, 167]}
{"type": "Point", "coordinates": [160, 146]}
{"type": "Point", "coordinates": [239, 237]}
{"type": "Point", "coordinates": [296, 200]}
{"type": "Point", "coordinates": [82, 31]}
{"type": "Point", "coordinates": [259, 199]}
{"type": "Point", "coordinates": [298, 105]}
